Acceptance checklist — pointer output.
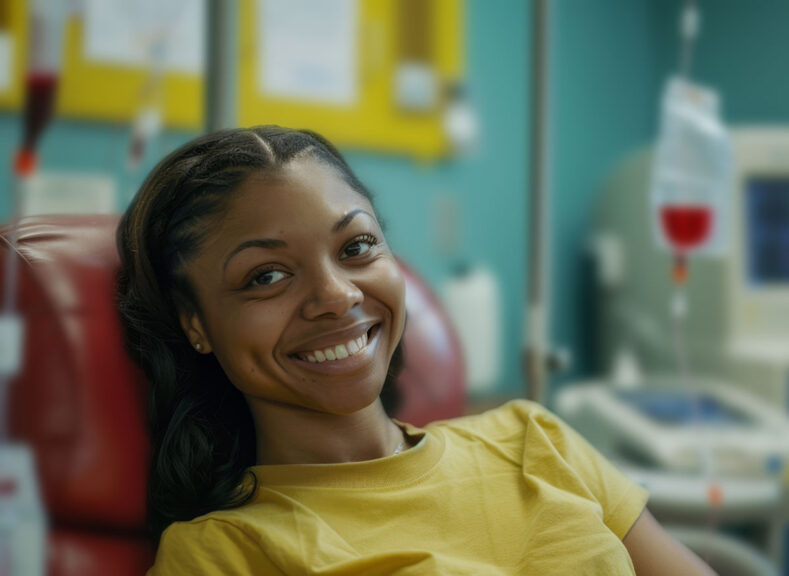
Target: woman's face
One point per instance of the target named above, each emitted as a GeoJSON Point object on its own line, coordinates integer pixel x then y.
{"type": "Point", "coordinates": [302, 301]}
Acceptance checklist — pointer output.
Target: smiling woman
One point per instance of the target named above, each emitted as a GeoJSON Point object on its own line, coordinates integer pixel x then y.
{"type": "Point", "coordinates": [260, 297]}
{"type": "Point", "coordinates": [243, 252]}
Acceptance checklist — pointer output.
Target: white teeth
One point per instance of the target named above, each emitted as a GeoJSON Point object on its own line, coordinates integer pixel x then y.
{"type": "Point", "coordinates": [336, 352]}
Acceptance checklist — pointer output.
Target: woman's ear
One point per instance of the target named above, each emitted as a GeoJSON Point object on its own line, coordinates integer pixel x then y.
{"type": "Point", "coordinates": [193, 328]}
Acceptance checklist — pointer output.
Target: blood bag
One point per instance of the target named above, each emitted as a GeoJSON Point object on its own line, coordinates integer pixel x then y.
{"type": "Point", "coordinates": [691, 175]}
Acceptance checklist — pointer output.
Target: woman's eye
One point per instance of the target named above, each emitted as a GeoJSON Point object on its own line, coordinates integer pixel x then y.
{"type": "Point", "coordinates": [358, 247]}
{"type": "Point", "coordinates": [268, 277]}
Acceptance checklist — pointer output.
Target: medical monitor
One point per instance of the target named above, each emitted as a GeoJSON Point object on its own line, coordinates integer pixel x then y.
{"type": "Point", "coordinates": [759, 272]}
{"type": "Point", "coordinates": [767, 231]}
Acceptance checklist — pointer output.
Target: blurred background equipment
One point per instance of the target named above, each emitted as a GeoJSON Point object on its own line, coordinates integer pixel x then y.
{"type": "Point", "coordinates": [713, 458]}
{"type": "Point", "coordinates": [735, 335]}
{"type": "Point", "coordinates": [669, 423]}
{"type": "Point", "coordinates": [667, 263]}
{"type": "Point", "coordinates": [737, 302]}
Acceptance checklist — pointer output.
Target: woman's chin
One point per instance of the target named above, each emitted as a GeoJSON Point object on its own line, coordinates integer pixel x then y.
{"type": "Point", "coordinates": [355, 400]}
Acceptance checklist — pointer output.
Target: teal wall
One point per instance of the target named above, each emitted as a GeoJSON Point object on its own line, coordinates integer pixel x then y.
{"type": "Point", "coordinates": [741, 52]}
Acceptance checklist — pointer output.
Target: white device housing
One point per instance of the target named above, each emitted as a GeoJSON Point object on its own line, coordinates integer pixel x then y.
{"type": "Point", "coordinates": [736, 330]}
{"type": "Point", "coordinates": [756, 446]}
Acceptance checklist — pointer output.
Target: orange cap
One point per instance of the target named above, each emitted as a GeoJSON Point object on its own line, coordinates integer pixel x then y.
{"type": "Point", "coordinates": [25, 162]}
{"type": "Point", "coordinates": [680, 274]}
{"type": "Point", "coordinates": [715, 495]}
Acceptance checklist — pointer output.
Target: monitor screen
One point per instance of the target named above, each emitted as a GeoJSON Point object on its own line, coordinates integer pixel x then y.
{"type": "Point", "coordinates": [767, 231]}
{"type": "Point", "coordinates": [681, 408]}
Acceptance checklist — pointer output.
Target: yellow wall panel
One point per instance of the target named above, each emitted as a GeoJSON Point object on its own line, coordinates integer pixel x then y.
{"type": "Point", "coordinates": [13, 21]}
{"type": "Point", "coordinates": [100, 91]}
{"type": "Point", "coordinates": [374, 121]}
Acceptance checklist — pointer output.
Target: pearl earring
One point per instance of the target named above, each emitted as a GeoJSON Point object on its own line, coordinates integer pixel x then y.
{"type": "Point", "coordinates": [198, 347]}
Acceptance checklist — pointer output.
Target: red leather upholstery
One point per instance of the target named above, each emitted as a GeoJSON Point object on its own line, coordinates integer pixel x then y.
{"type": "Point", "coordinates": [433, 379]}
{"type": "Point", "coordinates": [80, 401]}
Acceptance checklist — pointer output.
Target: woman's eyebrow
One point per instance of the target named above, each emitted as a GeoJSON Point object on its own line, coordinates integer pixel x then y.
{"type": "Point", "coordinates": [276, 243]}
{"type": "Point", "coordinates": [255, 243]}
{"type": "Point", "coordinates": [345, 220]}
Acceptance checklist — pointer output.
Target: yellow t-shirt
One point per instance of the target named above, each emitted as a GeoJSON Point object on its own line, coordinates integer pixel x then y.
{"type": "Point", "coordinates": [510, 491]}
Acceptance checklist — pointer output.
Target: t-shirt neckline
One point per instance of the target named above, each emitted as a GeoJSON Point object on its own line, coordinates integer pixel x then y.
{"type": "Point", "coordinates": [389, 471]}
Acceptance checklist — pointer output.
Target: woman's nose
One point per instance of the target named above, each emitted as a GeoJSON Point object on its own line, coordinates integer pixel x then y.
{"type": "Point", "coordinates": [333, 294]}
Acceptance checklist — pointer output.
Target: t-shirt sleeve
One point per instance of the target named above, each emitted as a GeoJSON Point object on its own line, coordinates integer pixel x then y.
{"type": "Point", "coordinates": [207, 546]}
{"type": "Point", "coordinates": [554, 445]}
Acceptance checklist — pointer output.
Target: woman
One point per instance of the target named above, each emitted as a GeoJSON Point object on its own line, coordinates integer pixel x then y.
{"type": "Point", "coordinates": [260, 297]}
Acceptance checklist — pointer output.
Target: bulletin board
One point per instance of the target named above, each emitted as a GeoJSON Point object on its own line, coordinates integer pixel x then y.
{"type": "Point", "coordinates": [359, 108]}
{"type": "Point", "coordinates": [94, 90]}
{"type": "Point", "coordinates": [106, 90]}
{"type": "Point", "coordinates": [13, 52]}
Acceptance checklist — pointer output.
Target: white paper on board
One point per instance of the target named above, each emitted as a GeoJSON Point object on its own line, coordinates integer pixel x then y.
{"type": "Point", "coordinates": [126, 33]}
{"type": "Point", "coordinates": [307, 50]}
{"type": "Point", "coordinates": [6, 61]}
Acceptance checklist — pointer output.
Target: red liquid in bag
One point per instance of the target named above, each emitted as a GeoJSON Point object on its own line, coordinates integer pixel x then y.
{"type": "Point", "coordinates": [39, 104]}
{"type": "Point", "coordinates": [686, 227]}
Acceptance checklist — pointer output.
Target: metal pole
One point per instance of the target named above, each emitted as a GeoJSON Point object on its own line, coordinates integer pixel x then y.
{"type": "Point", "coordinates": [221, 64]}
{"type": "Point", "coordinates": [538, 308]}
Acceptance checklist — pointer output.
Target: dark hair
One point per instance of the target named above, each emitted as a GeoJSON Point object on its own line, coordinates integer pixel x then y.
{"type": "Point", "coordinates": [202, 434]}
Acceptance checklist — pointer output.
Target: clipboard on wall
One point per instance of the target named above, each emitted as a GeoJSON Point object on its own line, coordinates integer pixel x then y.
{"type": "Point", "coordinates": [104, 79]}
{"type": "Point", "coordinates": [368, 74]}
{"type": "Point", "coordinates": [13, 52]}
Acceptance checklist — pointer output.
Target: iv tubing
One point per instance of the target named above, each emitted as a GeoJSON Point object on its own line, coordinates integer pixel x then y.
{"type": "Point", "coordinates": [679, 311]}
{"type": "Point", "coordinates": [688, 29]}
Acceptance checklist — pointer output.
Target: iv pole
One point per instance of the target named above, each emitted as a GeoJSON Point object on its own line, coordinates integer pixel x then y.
{"type": "Point", "coordinates": [221, 65]}
{"type": "Point", "coordinates": [537, 351]}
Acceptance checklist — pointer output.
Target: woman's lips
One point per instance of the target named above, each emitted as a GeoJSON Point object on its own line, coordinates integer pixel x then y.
{"type": "Point", "coordinates": [334, 338]}
{"type": "Point", "coordinates": [343, 359]}
{"type": "Point", "coordinates": [338, 352]}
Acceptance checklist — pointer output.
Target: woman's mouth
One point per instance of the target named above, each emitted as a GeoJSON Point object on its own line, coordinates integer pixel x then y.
{"type": "Point", "coordinates": [337, 352]}
{"type": "Point", "coordinates": [348, 353]}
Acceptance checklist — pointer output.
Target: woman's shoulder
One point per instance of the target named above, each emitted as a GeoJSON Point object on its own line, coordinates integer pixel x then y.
{"type": "Point", "coordinates": [217, 542]}
{"type": "Point", "coordinates": [520, 427]}
{"type": "Point", "coordinates": [206, 530]}
{"type": "Point", "coordinates": [543, 446]}
{"type": "Point", "coordinates": [511, 418]}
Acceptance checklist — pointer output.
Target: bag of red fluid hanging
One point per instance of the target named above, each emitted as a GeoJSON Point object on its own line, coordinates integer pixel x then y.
{"type": "Point", "coordinates": [691, 173]}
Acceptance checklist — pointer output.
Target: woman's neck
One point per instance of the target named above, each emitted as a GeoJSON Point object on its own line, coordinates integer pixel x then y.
{"type": "Point", "coordinates": [288, 434]}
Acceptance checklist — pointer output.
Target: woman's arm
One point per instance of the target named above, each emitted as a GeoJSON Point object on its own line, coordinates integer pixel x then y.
{"type": "Point", "coordinates": [655, 553]}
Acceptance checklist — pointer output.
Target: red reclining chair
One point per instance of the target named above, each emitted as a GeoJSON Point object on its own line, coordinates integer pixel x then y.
{"type": "Point", "coordinates": [80, 401]}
